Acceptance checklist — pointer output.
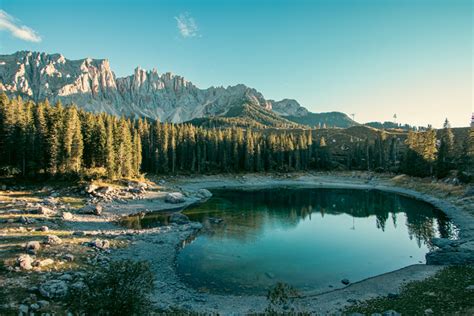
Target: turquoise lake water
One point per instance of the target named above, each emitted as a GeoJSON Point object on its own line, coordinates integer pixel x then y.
{"type": "Point", "coordinates": [309, 238]}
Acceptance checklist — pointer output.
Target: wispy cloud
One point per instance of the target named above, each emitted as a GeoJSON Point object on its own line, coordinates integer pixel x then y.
{"type": "Point", "coordinates": [186, 25]}
{"type": "Point", "coordinates": [9, 23]}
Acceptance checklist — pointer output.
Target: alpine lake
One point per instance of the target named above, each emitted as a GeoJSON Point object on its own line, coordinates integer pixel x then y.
{"type": "Point", "coordinates": [308, 238]}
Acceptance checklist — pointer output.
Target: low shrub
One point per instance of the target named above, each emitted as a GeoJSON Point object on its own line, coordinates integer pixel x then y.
{"type": "Point", "coordinates": [120, 288]}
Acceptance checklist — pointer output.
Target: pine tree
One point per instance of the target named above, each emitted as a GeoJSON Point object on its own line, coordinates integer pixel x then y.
{"type": "Point", "coordinates": [445, 152]}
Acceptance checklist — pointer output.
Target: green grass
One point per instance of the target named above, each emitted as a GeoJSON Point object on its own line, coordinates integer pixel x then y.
{"type": "Point", "coordinates": [445, 294]}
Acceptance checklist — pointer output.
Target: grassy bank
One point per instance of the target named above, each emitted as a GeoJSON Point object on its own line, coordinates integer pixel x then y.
{"type": "Point", "coordinates": [449, 292]}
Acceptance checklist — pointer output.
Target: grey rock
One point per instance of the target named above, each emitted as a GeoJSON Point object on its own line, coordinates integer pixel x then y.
{"type": "Point", "coordinates": [68, 257]}
{"type": "Point", "coordinates": [43, 229]}
{"type": "Point", "coordinates": [428, 311]}
{"type": "Point", "coordinates": [392, 295]}
{"type": "Point", "coordinates": [101, 244]}
{"type": "Point", "coordinates": [54, 289]}
{"type": "Point", "coordinates": [53, 240]}
{"type": "Point", "coordinates": [43, 210]}
{"type": "Point", "coordinates": [175, 198]}
{"type": "Point", "coordinates": [391, 313]}
{"type": "Point", "coordinates": [470, 287]}
{"type": "Point", "coordinates": [92, 209]}
{"type": "Point", "coordinates": [345, 281]}
{"type": "Point", "coordinates": [204, 193]}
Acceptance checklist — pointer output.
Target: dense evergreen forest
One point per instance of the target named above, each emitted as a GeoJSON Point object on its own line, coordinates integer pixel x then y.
{"type": "Point", "coordinates": [53, 140]}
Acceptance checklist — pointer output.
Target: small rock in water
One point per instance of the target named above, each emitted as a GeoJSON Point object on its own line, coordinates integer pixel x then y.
{"type": "Point", "coordinates": [470, 287]}
{"type": "Point", "coordinates": [174, 198]}
{"type": "Point", "coordinates": [270, 275]}
{"type": "Point", "coordinates": [391, 313]}
{"type": "Point", "coordinates": [428, 311]}
{"type": "Point", "coordinates": [345, 281]}
{"type": "Point", "coordinates": [204, 193]}
{"type": "Point", "coordinates": [392, 295]}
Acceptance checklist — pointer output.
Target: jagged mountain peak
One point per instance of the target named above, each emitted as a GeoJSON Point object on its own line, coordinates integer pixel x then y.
{"type": "Point", "coordinates": [91, 84]}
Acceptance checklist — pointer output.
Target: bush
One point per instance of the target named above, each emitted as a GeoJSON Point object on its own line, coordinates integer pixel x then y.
{"type": "Point", "coordinates": [279, 298]}
{"type": "Point", "coordinates": [121, 288]}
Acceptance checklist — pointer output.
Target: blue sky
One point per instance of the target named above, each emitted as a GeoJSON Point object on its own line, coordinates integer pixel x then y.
{"type": "Point", "coordinates": [373, 58]}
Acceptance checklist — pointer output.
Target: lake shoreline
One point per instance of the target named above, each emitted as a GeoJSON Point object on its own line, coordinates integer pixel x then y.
{"type": "Point", "coordinates": [160, 245]}
{"type": "Point", "coordinates": [339, 297]}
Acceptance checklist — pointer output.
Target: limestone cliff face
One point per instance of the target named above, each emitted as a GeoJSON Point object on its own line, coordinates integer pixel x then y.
{"type": "Point", "coordinates": [92, 85]}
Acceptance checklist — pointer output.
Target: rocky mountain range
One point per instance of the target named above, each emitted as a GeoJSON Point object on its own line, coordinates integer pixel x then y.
{"type": "Point", "coordinates": [92, 85]}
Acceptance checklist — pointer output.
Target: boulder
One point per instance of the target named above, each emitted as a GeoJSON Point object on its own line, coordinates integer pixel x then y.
{"type": "Point", "coordinates": [43, 210]}
{"type": "Point", "coordinates": [54, 289]}
{"type": "Point", "coordinates": [175, 198]}
{"type": "Point", "coordinates": [67, 216]}
{"type": "Point", "coordinates": [204, 193]}
{"type": "Point", "coordinates": [25, 262]}
{"type": "Point", "coordinates": [179, 218]}
{"type": "Point", "coordinates": [345, 281]}
{"type": "Point", "coordinates": [43, 229]}
{"type": "Point", "coordinates": [101, 244]}
{"type": "Point", "coordinates": [33, 247]}
{"type": "Point", "coordinates": [53, 240]}
{"type": "Point", "coordinates": [92, 209]}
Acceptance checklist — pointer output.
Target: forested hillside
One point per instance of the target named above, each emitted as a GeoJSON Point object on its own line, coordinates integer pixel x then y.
{"type": "Point", "coordinates": [43, 139]}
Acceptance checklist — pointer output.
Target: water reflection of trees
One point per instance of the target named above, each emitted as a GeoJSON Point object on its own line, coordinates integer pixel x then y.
{"type": "Point", "coordinates": [246, 213]}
